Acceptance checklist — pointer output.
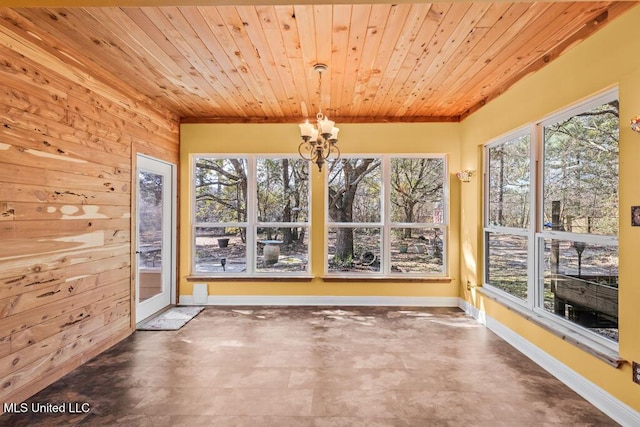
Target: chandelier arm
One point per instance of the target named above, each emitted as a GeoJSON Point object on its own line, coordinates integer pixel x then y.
{"type": "Point", "coordinates": [334, 148]}
{"type": "Point", "coordinates": [306, 150]}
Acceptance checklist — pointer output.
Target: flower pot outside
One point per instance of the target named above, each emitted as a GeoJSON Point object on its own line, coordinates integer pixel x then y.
{"type": "Point", "coordinates": [223, 243]}
{"type": "Point", "coordinates": [271, 254]}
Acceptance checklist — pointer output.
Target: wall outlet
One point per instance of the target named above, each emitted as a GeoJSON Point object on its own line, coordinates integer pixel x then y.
{"type": "Point", "coordinates": [636, 372]}
{"type": "Point", "coordinates": [468, 285]}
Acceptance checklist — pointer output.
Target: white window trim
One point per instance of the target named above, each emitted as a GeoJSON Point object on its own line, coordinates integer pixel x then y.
{"type": "Point", "coordinates": [386, 226]}
{"type": "Point", "coordinates": [524, 232]}
{"type": "Point", "coordinates": [536, 232]}
{"type": "Point", "coordinates": [252, 222]}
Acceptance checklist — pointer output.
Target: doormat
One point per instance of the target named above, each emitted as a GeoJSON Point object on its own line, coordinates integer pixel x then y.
{"type": "Point", "coordinates": [171, 319]}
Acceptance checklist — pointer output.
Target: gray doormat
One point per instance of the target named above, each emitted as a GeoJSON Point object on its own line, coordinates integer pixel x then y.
{"type": "Point", "coordinates": [171, 319]}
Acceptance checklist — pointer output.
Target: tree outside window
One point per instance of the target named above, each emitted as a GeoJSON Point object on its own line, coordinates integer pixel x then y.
{"type": "Point", "coordinates": [251, 215]}
{"type": "Point", "coordinates": [387, 215]}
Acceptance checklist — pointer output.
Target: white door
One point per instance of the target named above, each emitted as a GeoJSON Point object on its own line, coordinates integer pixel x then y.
{"type": "Point", "coordinates": [155, 236]}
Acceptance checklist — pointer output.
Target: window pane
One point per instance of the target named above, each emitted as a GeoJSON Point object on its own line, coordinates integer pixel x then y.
{"type": "Point", "coordinates": [354, 249]}
{"type": "Point", "coordinates": [581, 172]}
{"type": "Point", "coordinates": [220, 250]}
{"type": "Point", "coordinates": [282, 190]}
{"type": "Point", "coordinates": [581, 284]}
{"type": "Point", "coordinates": [282, 249]}
{"type": "Point", "coordinates": [354, 188]}
{"type": "Point", "coordinates": [221, 190]}
{"type": "Point", "coordinates": [417, 250]}
{"type": "Point", "coordinates": [417, 190]}
{"type": "Point", "coordinates": [509, 183]}
{"type": "Point", "coordinates": [507, 266]}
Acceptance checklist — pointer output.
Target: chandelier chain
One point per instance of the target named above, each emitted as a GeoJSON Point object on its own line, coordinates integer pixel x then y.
{"type": "Point", "coordinates": [320, 115]}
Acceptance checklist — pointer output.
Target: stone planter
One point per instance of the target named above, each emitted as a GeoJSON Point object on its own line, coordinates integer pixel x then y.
{"type": "Point", "coordinates": [271, 251]}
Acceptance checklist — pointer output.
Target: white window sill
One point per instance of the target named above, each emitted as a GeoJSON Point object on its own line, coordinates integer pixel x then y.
{"type": "Point", "coordinates": [255, 278]}
{"type": "Point", "coordinates": [370, 278]}
{"type": "Point", "coordinates": [570, 335]}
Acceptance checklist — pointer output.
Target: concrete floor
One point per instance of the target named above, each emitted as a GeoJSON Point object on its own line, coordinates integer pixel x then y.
{"type": "Point", "coordinates": [315, 366]}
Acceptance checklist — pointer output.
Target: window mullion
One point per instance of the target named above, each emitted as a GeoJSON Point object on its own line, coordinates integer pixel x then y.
{"type": "Point", "coordinates": [252, 214]}
{"type": "Point", "coordinates": [385, 250]}
{"type": "Point", "coordinates": [193, 203]}
{"type": "Point", "coordinates": [533, 251]}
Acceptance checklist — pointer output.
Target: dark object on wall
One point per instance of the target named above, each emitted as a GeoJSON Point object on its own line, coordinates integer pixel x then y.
{"type": "Point", "coordinates": [635, 216]}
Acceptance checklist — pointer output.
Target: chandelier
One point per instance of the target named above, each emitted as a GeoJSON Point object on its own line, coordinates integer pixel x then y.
{"type": "Point", "coordinates": [319, 143]}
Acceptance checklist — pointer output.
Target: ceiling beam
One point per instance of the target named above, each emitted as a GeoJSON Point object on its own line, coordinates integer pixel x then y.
{"type": "Point", "coordinates": [338, 120]}
{"type": "Point", "coordinates": [157, 3]}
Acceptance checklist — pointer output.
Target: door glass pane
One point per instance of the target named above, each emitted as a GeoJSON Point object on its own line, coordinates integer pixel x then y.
{"type": "Point", "coordinates": [150, 239]}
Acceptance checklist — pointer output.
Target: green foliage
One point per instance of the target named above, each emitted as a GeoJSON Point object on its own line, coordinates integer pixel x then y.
{"type": "Point", "coordinates": [581, 170]}
{"type": "Point", "coordinates": [221, 190]}
{"type": "Point", "coordinates": [150, 207]}
{"type": "Point", "coordinates": [417, 190]}
{"type": "Point", "coordinates": [509, 174]}
{"type": "Point", "coordinates": [282, 187]}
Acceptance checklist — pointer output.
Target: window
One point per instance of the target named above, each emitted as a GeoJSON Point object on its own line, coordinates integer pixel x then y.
{"type": "Point", "coordinates": [508, 214]}
{"type": "Point", "coordinates": [387, 216]}
{"type": "Point", "coordinates": [551, 243]}
{"type": "Point", "coordinates": [251, 215]}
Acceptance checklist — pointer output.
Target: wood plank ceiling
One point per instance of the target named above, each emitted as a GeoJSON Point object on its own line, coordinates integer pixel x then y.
{"type": "Point", "coordinates": [386, 62]}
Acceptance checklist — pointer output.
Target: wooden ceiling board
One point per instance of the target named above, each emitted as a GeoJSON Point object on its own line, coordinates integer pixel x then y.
{"type": "Point", "coordinates": [451, 33]}
{"type": "Point", "coordinates": [340, 41]}
{"type": "Point", "coordinates": [450, 78]}
{"type": "Point", "coordinates": [254, 63]}
{"type": "Point", "coordinates": [387, 26]}
{"type": "Point", "coordinates": [421, 24]}
{"type": "Point", "coordinates": [513, 56]}
{"type": "Point", "coordinates": [228, 86]}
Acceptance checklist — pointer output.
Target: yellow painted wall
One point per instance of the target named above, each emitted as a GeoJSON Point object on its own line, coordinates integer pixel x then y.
{"type": "Point", "coordinates": [440, 138]}
{"type": "Point", "coordinates": [608, 58]}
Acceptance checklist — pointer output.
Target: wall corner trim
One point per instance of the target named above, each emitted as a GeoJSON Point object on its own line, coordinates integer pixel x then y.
{"type": "Point", "coordinates": [598, 397]}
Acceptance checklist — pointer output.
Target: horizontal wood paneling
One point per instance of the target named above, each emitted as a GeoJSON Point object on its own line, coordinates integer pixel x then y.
{"type": "Point", "coordinates": [69, 134]}
{"type": "Point", "coordinates": [254, 63]}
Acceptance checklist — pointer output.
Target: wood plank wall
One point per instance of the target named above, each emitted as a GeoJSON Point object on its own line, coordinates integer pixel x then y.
{"type": "Point", "coordinates": [68, 140]}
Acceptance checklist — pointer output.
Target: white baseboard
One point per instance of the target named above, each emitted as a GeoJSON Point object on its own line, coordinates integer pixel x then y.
{"type": "Point", "coordinates": [598, 397]}
{"type": "Point", "coordinates": [316, 300]}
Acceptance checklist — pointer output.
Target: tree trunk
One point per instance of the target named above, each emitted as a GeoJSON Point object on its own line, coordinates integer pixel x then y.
{"type": "Point", "coordinates": [287, 235]}
{"type": "Point", "coordinates": [344, 244]}
{"type": "Point", "coordinates": [341, 204]}
{"type": "Point", "coordinates": [343, 212]}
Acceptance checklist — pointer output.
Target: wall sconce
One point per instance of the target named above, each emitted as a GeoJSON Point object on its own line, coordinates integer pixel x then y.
{"type": "Point", "coordinates": [635, 124]}
{"type": "Point", "coordinates": [465, 175]}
